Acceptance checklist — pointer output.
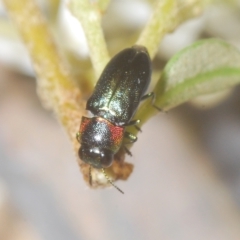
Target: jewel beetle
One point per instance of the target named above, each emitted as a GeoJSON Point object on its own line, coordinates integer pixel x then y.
{"type": "Point", "coordinates": [115, 99]}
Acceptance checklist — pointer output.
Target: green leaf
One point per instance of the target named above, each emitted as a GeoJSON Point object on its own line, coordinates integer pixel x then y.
{"type": "Point", "coordinates": [205, 67]}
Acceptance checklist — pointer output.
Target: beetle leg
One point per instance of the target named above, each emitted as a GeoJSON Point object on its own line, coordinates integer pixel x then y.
{"type": "Point", "coordinates": [127, 151]}
{"type": "Point", "coordinates": [131, 137]}
{"type": "Point", "coordinates": [138, 128]}
{"type": "Point", "coordinates": [90, 175]}
{"type": "Point", "coordinates": [134, 123]}
{"type": "Point", "coordinates": [151, 95]}
{"type": "Point", "coordinates": [78, 136]}
{"type": "Point", "coordinates": [148, 95]}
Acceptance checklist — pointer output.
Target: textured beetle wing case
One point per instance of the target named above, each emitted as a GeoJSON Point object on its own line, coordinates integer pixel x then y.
{"type": "Point", "coordinates": [121, 86]}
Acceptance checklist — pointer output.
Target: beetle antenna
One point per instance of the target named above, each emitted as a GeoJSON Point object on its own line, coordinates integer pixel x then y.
{"type": "Point", "coordinates": [90, 175]}
{"type": "Point", "coordinates": [110, 181]}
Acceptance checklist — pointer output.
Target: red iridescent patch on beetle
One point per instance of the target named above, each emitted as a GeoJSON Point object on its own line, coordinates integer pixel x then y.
{"type": "Point", "coordinates": [84, 123]}
{"type": "Point", "coordinates": [116, 134]}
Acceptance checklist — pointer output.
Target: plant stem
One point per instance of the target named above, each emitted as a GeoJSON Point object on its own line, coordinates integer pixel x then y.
{"type": "Point", "coordinates": [55, 84]}
{"type": "Point", "coordinates": [168, 14]}
{"type": "Point", "coordinates": [90, 18]}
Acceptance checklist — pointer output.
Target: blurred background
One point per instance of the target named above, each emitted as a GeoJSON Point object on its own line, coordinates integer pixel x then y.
{"type": "Point", "coordinates": [186, 179]}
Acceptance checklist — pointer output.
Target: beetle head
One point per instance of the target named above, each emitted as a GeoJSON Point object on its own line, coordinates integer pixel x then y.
{"type": "Point", "coordinates": [95, 156]}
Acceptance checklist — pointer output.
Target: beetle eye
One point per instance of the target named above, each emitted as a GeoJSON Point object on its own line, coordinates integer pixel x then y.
{"type": "Point", "coordinates": [95, 157]}
{"type": "Point", "coordinates": [106, 158]}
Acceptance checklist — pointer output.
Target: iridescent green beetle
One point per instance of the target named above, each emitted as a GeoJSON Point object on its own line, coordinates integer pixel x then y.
{"type": "Point", "coordinates": [113, 103]}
